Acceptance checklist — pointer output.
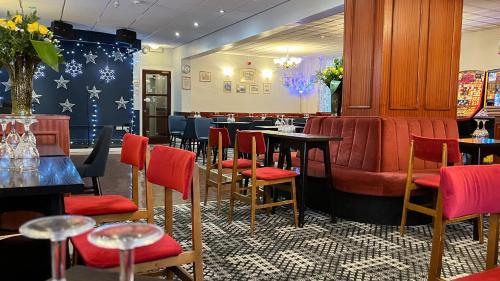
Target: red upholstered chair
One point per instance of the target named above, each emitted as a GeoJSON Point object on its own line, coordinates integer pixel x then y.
{"type": "Point", "coordinates": [251, 142]}
{"type": "Point", "coordinates": [444, 151]}
{"type": "Point", "coordinates": [465, 192]}
{"type": "Point", "coordinates": [174, 169]}
{"type": "Point", "coordinates": [113, 208]}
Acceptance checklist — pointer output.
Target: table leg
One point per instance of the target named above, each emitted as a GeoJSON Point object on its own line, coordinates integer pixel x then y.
{"type": "Point", "coordinates": [329, 178]}
{"type": "Point", "coordinates": [283, 149]}
{"type": "Point", "coordinates": [269, 152]}
{"type": "Point", "coordinates": [303, 171]}
{"type": "Point", "coordinates": [57, 204]}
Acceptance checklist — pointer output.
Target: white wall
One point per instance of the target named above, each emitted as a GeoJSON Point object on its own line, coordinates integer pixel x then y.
{"type": "Point", "coordinates": [209, 96]}
{"type": "Point", "coordinates": [480, 49]}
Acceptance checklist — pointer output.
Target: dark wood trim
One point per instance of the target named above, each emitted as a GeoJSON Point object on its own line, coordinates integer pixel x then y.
{"type": "Point", "coordinates": [168, 95]}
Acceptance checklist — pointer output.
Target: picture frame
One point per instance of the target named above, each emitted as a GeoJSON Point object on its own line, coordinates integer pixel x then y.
{"type": "Point", "coordinates": [227, 87]}
{"type": "Point", "coordinates": [253, 89]}
{"type": "Point", "coordinates": [241, 88]}
{"type": "Point", "coordinates": [247, 75]}
{"type": "Point", "coordinates": [205, 76]}
{"type": "Point", "coordinates": [266, 88]}
{"type": "Point", "coordinates": [186, 83]}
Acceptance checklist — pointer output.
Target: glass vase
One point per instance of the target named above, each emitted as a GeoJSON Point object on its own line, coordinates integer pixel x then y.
{"type": "Point", "coordinates": [21, 71]}
{"type": "Point", "coordinates": [336, 94]}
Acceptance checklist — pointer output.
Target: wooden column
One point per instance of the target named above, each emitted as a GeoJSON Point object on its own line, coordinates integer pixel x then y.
{"type": "Point", "coordinates": [401, 57]}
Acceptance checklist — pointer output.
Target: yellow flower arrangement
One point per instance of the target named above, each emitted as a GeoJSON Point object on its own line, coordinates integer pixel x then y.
{"type": "Point", "coordinates": [18, 19]}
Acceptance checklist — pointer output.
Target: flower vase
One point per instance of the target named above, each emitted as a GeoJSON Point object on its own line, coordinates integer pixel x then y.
{"type": "Point", "coordinates": [21, 72]}
{"type": "Point", "coordinates": [336, 95]}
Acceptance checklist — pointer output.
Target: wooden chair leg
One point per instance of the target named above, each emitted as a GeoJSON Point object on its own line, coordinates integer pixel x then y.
{"type": "Point", "coordinates": [198, 269]}
{"type": "Point", "coordinates": [438, 240]}
{"type": "Point", "coordinates": [402, 227]}
{"type": "Point", "coordinates": [253, 205]}
{"type": "Point", "coordinates": [219, 191]}
{"type": "Point", "coordinates": [492, 254]}
{"type": "Point", "coordinates": [231, 201]}
{"type": "Point", "coordinates": [294, 204]}
{"type": "Point", "coordinates": [480, 228]}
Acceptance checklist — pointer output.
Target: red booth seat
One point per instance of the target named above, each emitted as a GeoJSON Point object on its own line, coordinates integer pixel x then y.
{"type": "Point", "coordinates": [372, 158]}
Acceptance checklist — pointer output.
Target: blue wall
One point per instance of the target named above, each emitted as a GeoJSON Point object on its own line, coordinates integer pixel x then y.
{"type": "Point", "coordinates": [83, 122]}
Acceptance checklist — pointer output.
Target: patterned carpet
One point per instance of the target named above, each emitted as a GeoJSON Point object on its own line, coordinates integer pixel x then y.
{"type": "Point", "coordinates": [321, 250]}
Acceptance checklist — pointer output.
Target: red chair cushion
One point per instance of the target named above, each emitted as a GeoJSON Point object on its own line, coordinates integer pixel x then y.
{"type": "Point", "coordinates": [431, 149]}
{"type": "Point", "coordinates": [270, 173]}
{"type": "Point", "coordinates": [214, 137]}
{"type": "Point", "coordinates": [489, 275]}
{"type": "Point", "coordinates": [469, 190]}
{"type": "Point", "coordinates": [172, 168]}
{"type": "Point", "coordinates": [431, 181]}
{"type": "Point", "coordinates": [245, 142]}
{"type": "Point", "coordinates": [134, 149]}
{"type": "Point", "coordinates": [107, 258]}
{"type": "Point", "coordinates": [98, 205]}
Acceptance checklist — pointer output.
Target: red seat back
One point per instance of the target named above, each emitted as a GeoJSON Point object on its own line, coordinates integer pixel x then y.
{"type": "Point", "coordinates": [172, 168]}
{"type": "Point", "coordinates": [214, 137]}
{"type": "Point", "coordinates": [245, 142]}
{"type": "Point", "coordinates": [469, 190]}
{"type": "Point", "coordinates": [431, 149]}
{"type": "Point", "coordinates": [134, 149]}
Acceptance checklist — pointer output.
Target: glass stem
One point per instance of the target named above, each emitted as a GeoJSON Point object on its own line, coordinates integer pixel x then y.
{"type": "Point", "coordinates": [127, 265]}
{"type": "Point", "coordinates": [58, 252]}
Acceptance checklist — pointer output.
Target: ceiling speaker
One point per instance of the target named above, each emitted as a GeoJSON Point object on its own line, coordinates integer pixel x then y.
{"type": "Point", "coordinates": [62, 29]}
{"type": "Point", "coordinates": [125, 36]}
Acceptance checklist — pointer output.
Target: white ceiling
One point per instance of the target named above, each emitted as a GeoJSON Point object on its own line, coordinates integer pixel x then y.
{"type": "Point", "coordinates": [154, 20]}
{"type": "Point", "coordinates": [325, 36]}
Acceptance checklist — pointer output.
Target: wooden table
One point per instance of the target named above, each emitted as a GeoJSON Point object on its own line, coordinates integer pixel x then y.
{"type": "Point", "coordinates": [42, 190]}
{"type": "Point", "coordinates": [83, 273]}
{"type": "Point", "coordinates": [478, 149]}
{"type": "Point", "coordinates": [50, 150]}
{"type": "Point", "coordinates": [224, 124]}
{"type": "Point", "coordinates": [303, 143]}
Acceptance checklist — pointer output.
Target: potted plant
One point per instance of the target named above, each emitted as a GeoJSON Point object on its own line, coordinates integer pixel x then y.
{"type": "Point", "coordinates": [332, 78]}
{"type": "Point", "coordinates": [24, 42]}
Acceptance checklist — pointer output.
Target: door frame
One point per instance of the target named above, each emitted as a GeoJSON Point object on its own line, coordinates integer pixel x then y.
{"type": "Point", "coordinates": [145, 125]}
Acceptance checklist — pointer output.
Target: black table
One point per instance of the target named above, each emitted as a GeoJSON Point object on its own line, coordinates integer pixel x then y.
{"type": "Point", "coordinates": [298, 129]}
{"type": "Point", "coordinates": [83, 273]}
{"type": "Point", "coordinates": [50, 150]}
{"type": "Point", "coordinates": [303, 143]}
{"type": "Point", "coordinates": [224, 124]}
{"type": "Point", "coordinates": [478, 149]}
{"type": "Point", "coordinates": [42, 190]}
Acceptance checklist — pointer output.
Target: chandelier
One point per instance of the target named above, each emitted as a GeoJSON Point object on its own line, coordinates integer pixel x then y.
{"type": "Point", "coordinates": [287, 62]}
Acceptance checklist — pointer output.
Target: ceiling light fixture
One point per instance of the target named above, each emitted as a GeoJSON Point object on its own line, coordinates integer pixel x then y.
{"type": "Point", "coordinates": [116, 4]}
{"type": "Point", "coordinates": [221, 11]}
{"type": "Point", "coordinates": [287, 62]}
{"type": "Point", "coordinates": [177, 34]}
{"type": "Point", "coordinates": [196, 24]}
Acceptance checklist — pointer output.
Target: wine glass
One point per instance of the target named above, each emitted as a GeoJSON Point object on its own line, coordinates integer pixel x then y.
{"type": "Point", "coordinates": [26, 153]}
{"type": "Point", "coordinates": [57, 229]}
{"type": "Point", "coordinates": [13, 138]}
{"type": "Point", "coordinates": [6, 151]}
{"type": "Point", "coordinates": [126, 237]}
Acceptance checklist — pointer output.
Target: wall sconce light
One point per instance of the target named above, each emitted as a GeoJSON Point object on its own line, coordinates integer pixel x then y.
{"type": "Point", "coordinates": [228, 71]}
{"type": "Point", "coordinates": [267, 74]}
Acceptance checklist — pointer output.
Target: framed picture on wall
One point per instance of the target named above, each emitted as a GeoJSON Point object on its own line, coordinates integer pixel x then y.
{"type": "Point", "coordinates": [266, 88]}
{"type": "Point", "coordinates": [254, 89]}
{"type": "Point", "coordinates": [241, 88]}
{"type": "Point", "coordinates": [247, 75]}
{"type": "Point", "coordinates": [205, 76]}
{"type": "Point", "coordinates": [227, 87]}
{"type": "Point", "coordinates": [186, 83]}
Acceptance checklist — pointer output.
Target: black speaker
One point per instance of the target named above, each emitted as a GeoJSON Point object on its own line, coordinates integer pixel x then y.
{"type": "Point", "coordinates": [62, 29]}
{"type": "Point", "coordinates": [125, 36]}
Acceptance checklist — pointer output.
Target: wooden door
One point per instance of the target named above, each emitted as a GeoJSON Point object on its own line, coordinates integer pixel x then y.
{"type": "Point", "coordinates": [156, 94]}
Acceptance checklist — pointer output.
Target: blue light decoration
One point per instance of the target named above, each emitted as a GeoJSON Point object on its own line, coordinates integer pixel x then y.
{"type": "Point", "coordinates": [299, 85]}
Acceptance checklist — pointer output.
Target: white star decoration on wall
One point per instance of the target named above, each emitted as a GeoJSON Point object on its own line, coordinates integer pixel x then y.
{"type": "Point", "coordinates": [35, 97]}
{"type": "Point", "coordinates": [73, 68]}
{"type": "Point", "coordinates": [7, 85]}
{"type": "Point", "coordinates": [107, 74]}
{"type": "Point", "coordinates": [61, 82]}
{"type": "Point", "coordinates": [118, 55]}
{"type": "Point", "coordinates": [67, 106]}
{"type": "Point", "coordinates": [90, 57]}
{"type": "Point", "coordinates": [39, 72]}
{"type": "Point", "coordinates": [94, 92]}
{"type": "Point", "coordinates": [122, 103]}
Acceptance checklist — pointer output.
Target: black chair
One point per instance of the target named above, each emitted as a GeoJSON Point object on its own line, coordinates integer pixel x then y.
{"type": "Point", "coordinates": [246, 119]}
{"type": "Point", "coordinates": [232, 128]}
{"type": "Point", "coordinates": [299, 121]}
{"type": "Point", "coordinates": [189, 135]}
{"type": "Point", "coordinates": [201, 128]}
{"type": "Point", "coordinates": [176, 126]}
{"type": "Point", "coordinates": [219, 119]}
{"type": "Point", "coordinates": [95, 164]}
{"type": "Point", "coordinates": [256, 123]}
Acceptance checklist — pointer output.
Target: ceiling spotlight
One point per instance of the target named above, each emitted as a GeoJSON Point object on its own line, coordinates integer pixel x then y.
{"type": "Point", "coordinates": [322, 36]}
{"type": "Point", "coordinates": [196, 24]}
{"type": "Point", "coordinates": [221, 11]}
{"type": "Point", "coordinates": [137, 2]}
{"type": "Point", "coordinates": [177, 34]}
{"type": "Point", "coordinates": [116, 3]}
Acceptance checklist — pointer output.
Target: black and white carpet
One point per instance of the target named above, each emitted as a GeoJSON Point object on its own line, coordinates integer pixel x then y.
{"type": "Point", "coordinates": [320, 250]}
